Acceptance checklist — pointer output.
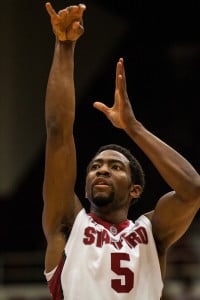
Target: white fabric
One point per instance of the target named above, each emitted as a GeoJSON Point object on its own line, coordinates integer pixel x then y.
{"type": "Point", "coordinates": [103, 266]}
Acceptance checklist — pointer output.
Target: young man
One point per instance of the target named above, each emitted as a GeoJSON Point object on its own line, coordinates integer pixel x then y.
{"type": "Point", "coordinates": [103, 255]}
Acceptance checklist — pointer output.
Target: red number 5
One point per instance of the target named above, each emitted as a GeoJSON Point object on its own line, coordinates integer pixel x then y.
{"type": "Point", "coordinates": [116, 284]}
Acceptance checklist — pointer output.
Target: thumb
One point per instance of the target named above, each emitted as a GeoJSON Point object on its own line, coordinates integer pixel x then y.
{"type": "Point", "coordinates": [101, 107]}
{"type": "Point", "coordinates": [50, 9]}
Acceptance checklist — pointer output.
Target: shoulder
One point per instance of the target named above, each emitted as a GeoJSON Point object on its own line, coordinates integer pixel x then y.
{"type": "Point", "coordinates": [149, 214]}
{"type": "Point", "coordinates": [145, 221]}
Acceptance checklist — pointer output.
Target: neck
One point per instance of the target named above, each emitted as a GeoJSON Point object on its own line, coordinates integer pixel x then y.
{"type": "Point", "coordinates": [114, 217]}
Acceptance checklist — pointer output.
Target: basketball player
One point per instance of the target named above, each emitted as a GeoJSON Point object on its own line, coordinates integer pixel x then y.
{"type": "Point", "coordinates": [103, 255]}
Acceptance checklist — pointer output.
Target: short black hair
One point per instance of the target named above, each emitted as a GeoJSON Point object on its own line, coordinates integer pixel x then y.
{"type": "Point", "coordinates": [137, 172]}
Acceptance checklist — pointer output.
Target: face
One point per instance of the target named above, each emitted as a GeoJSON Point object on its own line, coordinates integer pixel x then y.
{"type": "Point", "coordinates": [108, 182]}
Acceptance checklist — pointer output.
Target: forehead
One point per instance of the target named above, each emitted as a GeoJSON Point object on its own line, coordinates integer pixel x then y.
{"type": "Point", "coordinates": [111, 155]}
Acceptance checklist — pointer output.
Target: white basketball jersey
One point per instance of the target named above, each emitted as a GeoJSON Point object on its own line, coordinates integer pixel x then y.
{"type": "Point", "coordinates": [106, 262]}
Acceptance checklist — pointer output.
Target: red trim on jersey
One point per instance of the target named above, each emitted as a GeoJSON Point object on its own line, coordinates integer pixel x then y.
{"type": "Point", "coordinates": [107, 225]}
{"type": "Point", "coordinates": [54, 283]}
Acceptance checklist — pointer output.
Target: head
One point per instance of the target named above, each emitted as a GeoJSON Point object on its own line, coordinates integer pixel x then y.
{"type": "Point", "coordinates": [114, 176]}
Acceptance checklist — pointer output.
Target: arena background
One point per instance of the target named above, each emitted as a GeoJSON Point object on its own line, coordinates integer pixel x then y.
{"type": "Point", "coordinates": [160, 43]}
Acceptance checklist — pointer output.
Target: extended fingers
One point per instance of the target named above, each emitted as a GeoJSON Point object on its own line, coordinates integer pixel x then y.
{"type": "Point", "coordinates": [123, 69]}
{"type": "Point", "coordinates": [120, 75]}
{"type": "Point", "coordinates": [118, 72]}
{"type": "Point", "coordinates": [120, 67]}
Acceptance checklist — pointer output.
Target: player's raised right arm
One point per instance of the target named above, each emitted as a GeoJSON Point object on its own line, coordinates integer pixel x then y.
{"type": "Point", "coordinates": [60, 202]}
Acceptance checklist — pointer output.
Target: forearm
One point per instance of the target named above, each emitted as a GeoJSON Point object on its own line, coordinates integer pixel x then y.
{"type": "Point", "coordinates": [173, 167]}
{"type": "Point", "coordinates": [60, 94]}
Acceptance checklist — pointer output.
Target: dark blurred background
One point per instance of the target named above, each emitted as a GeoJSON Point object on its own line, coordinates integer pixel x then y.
{"type": "Point", "coordinates": [160, 43]}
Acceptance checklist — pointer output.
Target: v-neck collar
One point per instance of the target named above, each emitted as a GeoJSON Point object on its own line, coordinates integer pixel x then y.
{"type": "Point", "coordinates": [113, 228]}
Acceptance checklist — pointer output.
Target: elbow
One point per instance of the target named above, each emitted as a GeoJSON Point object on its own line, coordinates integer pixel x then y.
{"type": "Point", "coordinates": [58, 126]}
{"type": "Point", "coordinates": [53, 127]}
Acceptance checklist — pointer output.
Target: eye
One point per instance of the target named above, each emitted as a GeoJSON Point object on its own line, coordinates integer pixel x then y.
{"type": "Point", "coordinates": [95, 166]}
{"type": "Point", "coordinates": [116, 167]}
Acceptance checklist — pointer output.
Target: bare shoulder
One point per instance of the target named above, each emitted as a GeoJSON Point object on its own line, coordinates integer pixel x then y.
{"type": "Point", "coordinates": [149, 214]}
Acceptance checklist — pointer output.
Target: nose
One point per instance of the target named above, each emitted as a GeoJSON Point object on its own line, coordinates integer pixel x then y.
{"type": "Point", "coordinates": [103, 170]}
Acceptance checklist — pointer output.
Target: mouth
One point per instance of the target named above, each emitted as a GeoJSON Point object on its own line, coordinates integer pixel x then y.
{"type": "Point", "coordinates": [100, 192]}
{"type": "Point", "coordinates": [100, 182]}
{"type": "Point", "coordinates": [101, 185]}
{"type": "Point", "coordinates": [100, 188]}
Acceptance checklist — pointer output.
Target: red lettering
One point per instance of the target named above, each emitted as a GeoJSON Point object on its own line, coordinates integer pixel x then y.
{"type": "Point", "coordinates": [102, 238]}
{"type": "Point", "coordinates": [89, 236]}
{"type": "Point", "coordinates": [133, 239]}
{"type": "Point", "coordinates": [143, 234]}
{"type": "Point", "coordinates": [117, 245]}
{"type": "Point", "coordinates": [92, 236]}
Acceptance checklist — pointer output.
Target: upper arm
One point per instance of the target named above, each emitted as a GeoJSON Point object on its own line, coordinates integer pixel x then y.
{"type": "Point", "coordinates": [61, 204]}
{"type": "Point", "coordinates": [171, 218]}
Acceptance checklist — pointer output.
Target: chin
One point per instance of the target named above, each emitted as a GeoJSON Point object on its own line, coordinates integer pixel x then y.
{"type": "Point", "coordinates": [100, 201]}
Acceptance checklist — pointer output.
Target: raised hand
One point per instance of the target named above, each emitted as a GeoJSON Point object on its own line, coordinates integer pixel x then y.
{"type": "Point", "coordinates": [120, 114]}
{"type": "Point", "coordinates": [67, 23]}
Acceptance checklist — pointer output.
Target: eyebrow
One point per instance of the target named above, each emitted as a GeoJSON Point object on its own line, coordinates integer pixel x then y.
{"type": "Point", "coordinates": [100, 160]}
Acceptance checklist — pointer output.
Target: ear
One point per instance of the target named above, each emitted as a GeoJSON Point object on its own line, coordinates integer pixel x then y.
{"type": "Point", "coordinates": [86, 195]}
{"type": "Point", "coordinates": [135, 191]}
